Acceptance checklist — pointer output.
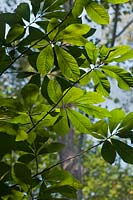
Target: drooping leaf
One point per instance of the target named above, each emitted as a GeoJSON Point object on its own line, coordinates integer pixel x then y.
{"type": "Point", "coordinates": [45, 60]}
{"type": "Point", "coordinates": [125, 151]}
{"type": "Point", "coordinates": [23, 10]}
{"type": "Point", "coordinates": [2, 32]}
{"type": "Point", "coordinates": [54, 91]}
{"type": "Point", "coordinates": [4, 61]}
{"type": "Point", "coordinates": [108, 152]}
{"type": "Point", "coordinates": [35, 6]}
{"type": "Point", "coordinates": [79, 121]}
{"type": "Point", "coordinates": [124, 78]}
{"type": "Point", "coordinates": [97, 13]}
{"type": "Point", "coordinates": [117, 116]}
{"type": "Point", "coordinates": [4, 170]}
{"type": "Point", "coordinates": [78, 7]}
{"type": "Point", "coordinates": [92, 51]}
{"type": "Point", "coordinates": [14, 33]}
{"type": "Point", "coordinates": [102, 84]}
{"type": "Point", "coordinates": [67, 64]}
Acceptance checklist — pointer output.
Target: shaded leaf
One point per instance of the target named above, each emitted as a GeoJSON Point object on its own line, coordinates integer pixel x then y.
{"type": "Point", "coordinates": [52, 27]}
{"type": "Point", "coordinates": [108, 152]}
{"type": "Point", "coordinates": [23, 10]}
{"type": "Point", "coordinates": [14, 33]}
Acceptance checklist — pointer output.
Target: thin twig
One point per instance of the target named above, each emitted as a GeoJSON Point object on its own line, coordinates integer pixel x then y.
{"type": "Point", "coordinates": [124, 28]}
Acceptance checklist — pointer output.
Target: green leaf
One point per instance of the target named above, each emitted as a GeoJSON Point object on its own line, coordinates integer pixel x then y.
{"type": "Point", "coordinates": [54, 91]}
{"type": "Point", "coordinates": [100, 129]}
{"type": "Point", "coordinates": [21, 135]}
{"type": "Point", "coordinates": [26, 158]}
{"type": "Point", "coordinates": [45, 60]}
{"type": "Point", "coordinates": [4, 170]}
{"type": "Point", "coordinates": [14, 33]}
{"type": "Point", "coordinates": [52, 27]}
{"type": "Point", "coordinates": [23, 10]}
{"type": "Point", "coordinates": [117, 1]}
{"type": "Point", "coordinates": [97, 13]}
{"type": "Point", "coordinates": [102, 84]}
{"type": "Point", "coordinates": [125, 151]}
{"type": "Point", "coordinates": [54, 147]}
{"type": "Point", "coordinates": [78, 7]}
{"type": "Point", "coordinates": [67, 64]}
{"type": "Point", "coordinates": [61, 126]}
{"type": "Point", "coordinates": [41, 44]}
{"type": "Point", "coordinates": [21, 173]}
{"type": "Point", "coordinates": [124, 78]}
{"type": "Point", "coordinates": [8, 128]}
{"type": "Point", "coordinates": [126, 56]}
{"type": "Point", "coordinates": [73, 95]}
{"type": "Point", "coordinates": [126, 127]}
{"type": "Point", "coordinates": [30, 93]}
{"type": "Point", "coordinates": [35, 6]}
{"type": "Point", "coordinates": [92, 52]}
{"type": "Point", "coordinates": [94, 111]}
{"type": "Point", "coordinates": [5, 60]}
{"type": "Point", "coordinates": [108, 152]}
{"type": "Point", "coordinates": [117, 116]}
{"type": "Point", "coordinates": [79, 121]}
{"type": "Point", "coordinates": [2, 32]}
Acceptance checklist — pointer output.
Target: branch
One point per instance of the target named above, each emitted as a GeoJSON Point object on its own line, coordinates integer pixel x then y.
{"type": "Point", "coordinates": [43, 37]}
{"type": "Point", "coordinates": [58, 101]}
{"type": "Point", "coordinates": [67, 159]}
{"type": "Point", "coordinates": [115, 25]}
{"type": "Point", "coordinates": [125, 27]}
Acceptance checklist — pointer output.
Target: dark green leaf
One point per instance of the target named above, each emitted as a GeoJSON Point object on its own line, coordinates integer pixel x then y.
{"type": "Point", "coordinates": [125, 151]}
{"type": "Point", "coordinates": [108, 152]}
{"type": "Point", "coordinates": [14, 33]}
{"type": "Point", "coordinates": [23, 10]}
{"type": "Point", "coordinates": [4, 170]}
{"type": "Point", "coordinates": [26, 158]}
{"type": "Point", "coordinates": [4, 61]}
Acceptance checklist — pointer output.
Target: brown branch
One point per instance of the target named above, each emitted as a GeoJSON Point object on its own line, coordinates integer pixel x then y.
{"type": "Point", "coordinates": [124, 28]}
{"type": "Point", "coordinates": [115, 25]}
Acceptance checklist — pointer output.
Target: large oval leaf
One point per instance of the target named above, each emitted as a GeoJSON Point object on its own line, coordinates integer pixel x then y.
{"type": "Point", "coordinates": [108, 152]}
{"type": "Point", "coordinates": [97, 13]}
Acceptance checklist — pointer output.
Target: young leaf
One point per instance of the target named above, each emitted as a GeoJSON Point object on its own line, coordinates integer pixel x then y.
{"type": "Point", "coordinates": [14, 33]}
{"type": "Point", "coordinates": [108, 152]}
{"type": "Point", "coordinates": [97, 13]}
{"type": "Point", "coordinates": [79, 121]}
{"type": "Point", "coordinates": [54, 90]}
{"type": "Point", "coordinates": [124, 78]}
{"type": "Point", "coordinates": [102, 84]}
{"type": "Point", "coordinates": [67, 64]}
{"type": "Point", "coordinates": [92, 52]}
{"type": "Point", "coordinates": [117, 116]}
{"type": "Point", "coordinates": [125, 151]}
{"type": "Point", "coordinates": [45, 60]}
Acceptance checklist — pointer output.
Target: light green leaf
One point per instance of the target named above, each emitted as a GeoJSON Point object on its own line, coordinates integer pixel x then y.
{"type": "Point", "coordinates": [73, 94]}
{"type": "Point", "coordinates": [79, 121]}
{"type": "Point", "coordinates": [94, 111]}
{"type": "Point", "coordinates": [54, 90]}
{"type": "Point", "coordinates": [51, 27]}
{"type": "Point", "coordinates": [97, 13]}
{"type": "Point", "coordinates": [40, 44]}
{"type": "Point", "coordinates": [124, 78]}
{"type": "Point", "coordinates": [67, 64]}
{"type": "Point", "coordinates": [117, 1]}
{"type": "Point", "coordinates": [61, 126]}
{"type": "Point", "coordinates": [8, 128]}
{"type": "Point", "coordinates": [73, 30]}
{"type": "Point", "coordinates": [78, 7]}
{"type": "Point", "coordinates": [102, 84]}
{"type": "Point", "coordinates": [117, 116]}
{"type": "Point", "coordinates": [100, 129]}
{"type": "Point", "coordinates": [77, 41]}
{"type": "Point", "coordinates": [108, 152]}
{"type": "Point", "coordinates": [21, 135]}
{"type": "Point", "coordinates": [45, 60]}
{"type": "Point", "coordinates": [125, 151]}
{"type": "Point", "coordinates": [14, 33]}
{"type": "Point", "coordinates": [128, 55]}
{"type": "Point", "coordinates": [92, 52]}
